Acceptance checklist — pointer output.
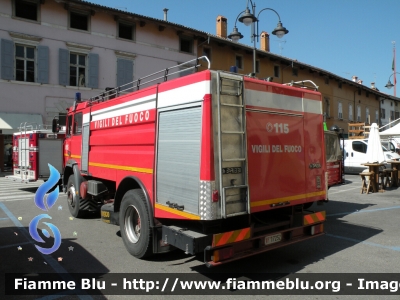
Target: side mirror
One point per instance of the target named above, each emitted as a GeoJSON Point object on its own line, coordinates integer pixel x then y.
{"type": "Point", "coordinates": [54, 126]}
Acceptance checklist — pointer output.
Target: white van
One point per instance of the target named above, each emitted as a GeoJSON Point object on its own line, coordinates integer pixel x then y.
{"type": "Point", "coordinates": [392, 144]}
{"type": "Point", "coordinates": [355, 154]}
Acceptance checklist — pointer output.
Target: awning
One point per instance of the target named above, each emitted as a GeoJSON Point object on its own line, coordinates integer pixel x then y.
{"type": "Point", "coordinates": [393, 131]}
{"type": "Point", "coordinates": [10, 122]}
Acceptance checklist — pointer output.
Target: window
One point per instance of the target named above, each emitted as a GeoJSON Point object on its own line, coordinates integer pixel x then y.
{"type": "Point", "coordinates": [207, 52]}
{"type": "Point", "coordinates": [25, 63]}
{"type": "Point", "coordinates": [340, 111]}
{"type": "Point", "coordinates": [77, 66]}
{"type": "Point", "coordinates": [391, 115]}
{"type": "Point", "coordinates": [186, 44]}
{"type": "Point", "coordinates": [377, 116]}
{"type": "Point", "coordinates": [126, 31]}
{"type": "Point", "coordinates": [26, 60]}
{"type": "Point", "coordinates": [276, 71]}
{"type": "Point", "coordinates": [77, 129]}
{"type": "Point", "coordinates": [77, 69]}
{"type": "Point", "coordinates": [62, 119]}
{"type": "Point", "coordinates": [359, 147]}
{"type": "Point", "coordinates": [239, 62]}
{"type": "Point", "coordinates": [367, 94]}
{"type": "Point", "coordinates": [69, 125]}
{"type": "Point", "coordinates": [327, 107]}
{"type": "Point", "coordinates": [26, 10]}
{"type": "Point", "coordinates": [383, 113]}
{"type": "Point", "coordinates": [295, 71]}
{"type": "Point", "coordinates": [396, 115]}
{"type": "Point", "coordinates": [350, 112]}
{"type": "Point", "coordinates": [367, 116]}
{"type": "Point", "coordinates": [339, 85]}
{"type": "Point", "coordinates": [326, 80]}
{"type": "Point", "coordinates": [358, 113]}
{"type": "Point", "coordinates": [257, 66]}
{"type": "Point", "coordinates": [79, 21]}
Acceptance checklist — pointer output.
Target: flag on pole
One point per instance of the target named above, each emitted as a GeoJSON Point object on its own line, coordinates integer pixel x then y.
{"type": "Point", "coordinates": [393, 69]}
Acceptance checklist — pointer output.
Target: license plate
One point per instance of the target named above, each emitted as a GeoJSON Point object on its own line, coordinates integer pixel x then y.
{"type": "Point", "coordinates": [235, 170]}
{"type": "Point", "coordinates": [271, 239]}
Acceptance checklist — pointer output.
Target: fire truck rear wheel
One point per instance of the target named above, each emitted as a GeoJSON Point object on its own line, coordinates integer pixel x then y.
{"type": "Point", "coordinates": [135, 224]}
{"type": "Point", "coordinates": [73, 199]}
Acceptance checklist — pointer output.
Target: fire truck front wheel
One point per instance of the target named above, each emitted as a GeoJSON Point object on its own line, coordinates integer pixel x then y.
{"type": "Point", "coordinates": [135, 224]}
{"type": "Point", "coordinates": [73, 199]}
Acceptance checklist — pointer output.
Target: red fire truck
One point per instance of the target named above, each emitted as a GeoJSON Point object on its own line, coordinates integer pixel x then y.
{"type": "Point", "coordinates": [212, 162]}
{"type": "Point", "coordinates": [34, 147]}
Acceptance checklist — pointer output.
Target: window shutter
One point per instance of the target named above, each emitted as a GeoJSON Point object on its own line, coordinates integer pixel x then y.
{"type": "Point", "coordinates": [124, 72]}
{"type": "Point", "coordinates": [43, 64]}
{"type": "Point", "coordinates": [93, 81]}
{"type": "Point", "coordinates": [7, 59]}
{"type": "Point", "coordinates": [63, 70]}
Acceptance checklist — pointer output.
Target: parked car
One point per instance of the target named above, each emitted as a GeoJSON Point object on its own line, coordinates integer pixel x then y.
{"type": "Point", "coordinates": [355, 154]}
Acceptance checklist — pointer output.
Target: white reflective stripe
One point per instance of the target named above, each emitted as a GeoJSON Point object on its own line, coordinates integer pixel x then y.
{"type": "Point", "coordinates": [312, 106]}
{"type": "Point", "coordinates": [133, 107]}
{"type": "Point", "coordinates": [124, 105]}
{"type": "Point", "coordinates": [285, 102]}
{"type": "Point", "coordinates": [271, 100]}
{"type": "Point", "coordinates": [86, 118]}
{"type": "Point", "coordinates": [185, 94]}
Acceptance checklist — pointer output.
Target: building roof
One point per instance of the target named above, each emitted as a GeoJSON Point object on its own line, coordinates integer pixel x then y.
{"type": "Point", "coordinates": [205, 35]}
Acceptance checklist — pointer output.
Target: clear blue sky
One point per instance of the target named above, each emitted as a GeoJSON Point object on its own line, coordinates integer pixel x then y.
{"type": "Point", "coordinates": [345, 37]}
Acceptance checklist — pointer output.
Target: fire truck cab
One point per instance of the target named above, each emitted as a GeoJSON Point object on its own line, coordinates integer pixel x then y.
{"type": "Point", "coordinates": [212, 162]}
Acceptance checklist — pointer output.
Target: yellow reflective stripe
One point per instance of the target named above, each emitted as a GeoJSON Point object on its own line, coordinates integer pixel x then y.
{"type": "Point", "coordinates": [125, 168]}
{"type": "Point", "coordinates": [177, 212]}
{"type": "Point", "coordinates": [72, 155]}
{"type": "Point", "coordinates": [284, 199]}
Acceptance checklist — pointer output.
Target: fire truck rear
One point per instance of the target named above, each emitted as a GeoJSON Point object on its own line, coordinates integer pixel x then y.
{"type": "Point", "coordinates": [34, 147]}
{"type": "Point", "coordinates": [212, 162]}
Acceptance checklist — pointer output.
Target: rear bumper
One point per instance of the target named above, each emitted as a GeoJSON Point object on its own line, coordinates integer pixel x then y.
{"type": "Point", "coordinates": [19, 179]}
{"type": "Point", "coordinates": [257, 245]}
{"type": "Point", "coordinates": [224, 249]}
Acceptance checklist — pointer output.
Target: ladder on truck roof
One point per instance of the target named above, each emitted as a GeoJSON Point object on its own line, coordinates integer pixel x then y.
{"type": "Point", "coordinates": [135, 85]}
{"type": "Point", "coordinates": [232, 150]}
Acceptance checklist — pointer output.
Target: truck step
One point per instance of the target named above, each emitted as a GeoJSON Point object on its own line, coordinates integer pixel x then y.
{"type": "Point", "coordinates": [108, 215]}
{"type": "Point", "coordinates": [191, 242]}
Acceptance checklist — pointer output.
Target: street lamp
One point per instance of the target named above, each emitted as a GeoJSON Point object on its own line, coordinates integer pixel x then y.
{"type": "Point", "coordinates": [246, 17]}
{"type": "Point", "coordinates": [389, 85]}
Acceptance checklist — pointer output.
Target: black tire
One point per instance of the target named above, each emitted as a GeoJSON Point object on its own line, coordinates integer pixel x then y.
{"type": "Point", "coordinates": [73, 199]}
{"type": "Point", "coordinates": [135, 224]}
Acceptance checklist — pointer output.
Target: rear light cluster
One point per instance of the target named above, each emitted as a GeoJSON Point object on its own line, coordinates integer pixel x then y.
{"type": "Point", "coordinates": [215, 196]}
{"type": "Point", "coordinates": [317, 229]}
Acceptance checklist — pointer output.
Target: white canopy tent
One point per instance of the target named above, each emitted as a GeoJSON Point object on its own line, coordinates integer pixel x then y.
{"type": "Point", "coordinates": [393, 131]}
